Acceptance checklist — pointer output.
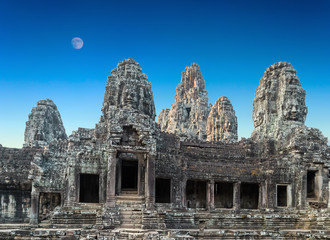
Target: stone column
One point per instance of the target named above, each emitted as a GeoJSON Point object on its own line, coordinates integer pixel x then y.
{"type": "Point", "coordinates": [102, 188]}
{"type": "Point", "coordinates": [111, 179]}
{"type": "Point", "coordinates": [150, 181]}
{"type": "Point", "coordinates": [118, 176]}
{"type": "Point", "coordinates": [210, 195]}
{"type": "Point", "coordinates": [237, 196]}
{"type": "Point", "coordinates": [183, 192]}
{"type": "Point", "coordinates": [72, 187]}
{"type": "Point", "coordinates": [318, 185]}
{"type": "Point", "coordinates": [301, 189]}
{"type": "Point", "coordinates": [263, 198]}
{"type": "Point", "coordinates": [34, 212]}
{"type": "Point", "coordinates": [141, 176]}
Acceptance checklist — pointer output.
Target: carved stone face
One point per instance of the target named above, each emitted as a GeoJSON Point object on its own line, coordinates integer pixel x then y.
{"type": "Point", "coordinates": [289, 74]}
{"type": "Point", "coordinates": [294, 108]}
{"type": "Point", "coordinates": [259, 118]}
{"type": "Point", "coordinates": [129, 97]}
{"type": "Point", "coordinates": [291, 111]}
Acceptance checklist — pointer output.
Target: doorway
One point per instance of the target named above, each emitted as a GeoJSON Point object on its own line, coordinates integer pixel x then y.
{"type": "Point", "coordinates": [89, 188]}
{"type": "Point", "coordinates": [129, 175]}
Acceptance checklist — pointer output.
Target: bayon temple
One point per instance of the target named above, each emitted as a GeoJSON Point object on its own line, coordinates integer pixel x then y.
{"type": "Point", "coordinates": [186, 176]}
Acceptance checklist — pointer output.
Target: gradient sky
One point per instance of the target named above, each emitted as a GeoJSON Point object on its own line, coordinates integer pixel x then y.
{"type": "Point", "coordinates": [232, 41]}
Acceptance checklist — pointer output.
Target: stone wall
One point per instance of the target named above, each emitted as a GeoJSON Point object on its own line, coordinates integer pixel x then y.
{"type": "Point", "coordinates": [15, 205]}
{"type": "Point", "coordinates": [15, 187]}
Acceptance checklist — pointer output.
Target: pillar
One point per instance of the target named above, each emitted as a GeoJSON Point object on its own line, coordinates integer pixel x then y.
{"type": "Point", "coordinates": [210, 195]}
{"type": "Point", "coordinates": [34, 212]}
{"type": "Point", "coordinates": [183, 193]}
{"type": "Point", "coordinates": [237, 196]}
{"type": "Point", "coordinates": [150, 181]}
{"type": "Point", "coordinates": [111, 180]}
{"type": "Point", "coordinates": [118, 176]}
{"type": "Point", "coordinates": [72, 191]}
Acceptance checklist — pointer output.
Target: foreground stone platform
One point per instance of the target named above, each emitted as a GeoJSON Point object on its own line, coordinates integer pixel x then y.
{"type": "Point", "coordinates": [313, 224]}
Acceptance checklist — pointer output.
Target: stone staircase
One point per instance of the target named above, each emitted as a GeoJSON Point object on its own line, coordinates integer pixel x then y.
{"type": "Point", "coordinates": [131, 207]}
{"type": "Point", "coordinates": [80, 215]}
{"type": "Point", "coordinates": [131, 218]}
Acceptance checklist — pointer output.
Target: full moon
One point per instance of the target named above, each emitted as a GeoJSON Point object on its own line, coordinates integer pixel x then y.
{"type": "Point", "coordinates": [77, 43]}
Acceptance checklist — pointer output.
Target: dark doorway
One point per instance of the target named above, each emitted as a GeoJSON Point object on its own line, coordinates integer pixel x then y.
{"type": "Point", "coordinates": [311, 184]}
{"type": "Point", "coordinates": [282, 196]}
{"type": "Point", "coordinates": [188, 111]}
{"type": "Point", "coordinates": [249, 195]}
{"type": "Point", "coordinates": [89, 188]}
{"type": "Point", "coordinates": [163, 190]}
{"type": "Point", "coordinates": [129, 175]}
{"type": "Point", "coordinates": [223, 195]}
{"type": "Point", "coordinates": [196, 194]}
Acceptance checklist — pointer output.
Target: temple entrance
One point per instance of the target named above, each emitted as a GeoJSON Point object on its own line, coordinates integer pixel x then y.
{"type": "Point", "coordinates": [249, 195]}
{"type": "Point", "coordinates": [163, 190]}
{"type": "Point", "coordinates": [223, 195]}
{"type": "Point", "coordinates": [89, 188]}
{"type": "Point", "coordinates": [196, 194]}
{"type": "Point", "coordinates": [129, 175]}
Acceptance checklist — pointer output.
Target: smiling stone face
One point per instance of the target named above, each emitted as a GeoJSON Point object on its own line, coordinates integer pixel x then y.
{"type": "Point", "coordinates": [129, 97]}
{"type": "Point", "coordinates": [222, 122]}
{"type": "Point", "coordinates": [294, 108]}
{"type": "Point", "coordinates": [128, 88]}
{"type": "Point", "coordinates": [279, 103]}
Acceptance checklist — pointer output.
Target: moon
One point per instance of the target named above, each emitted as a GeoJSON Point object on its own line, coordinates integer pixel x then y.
{"type": "Point", "coordinates": [77, 43]}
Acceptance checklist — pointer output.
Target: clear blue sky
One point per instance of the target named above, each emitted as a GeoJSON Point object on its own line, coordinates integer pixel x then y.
{"type": "Point", "coordinates": [232, 41]}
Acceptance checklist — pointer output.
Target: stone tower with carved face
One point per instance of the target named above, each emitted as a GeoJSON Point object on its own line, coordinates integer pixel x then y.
{"type": "Point", "coordinates": [128, 101]}
{"type": "Point", "coordinates": [279, 103]}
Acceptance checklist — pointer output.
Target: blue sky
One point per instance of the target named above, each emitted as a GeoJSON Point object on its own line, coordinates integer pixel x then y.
{"type": "Point", "coordinates": [232, 41]}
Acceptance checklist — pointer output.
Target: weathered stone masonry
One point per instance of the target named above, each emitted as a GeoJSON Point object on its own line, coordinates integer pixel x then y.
{"type": "Point", "coordinates": [187, 176]}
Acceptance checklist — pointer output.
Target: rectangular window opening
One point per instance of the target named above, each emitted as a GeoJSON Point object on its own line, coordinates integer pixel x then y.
{"type": "Point", "coordinates": [196, 194]}
{"type": "Point", "coordinates": [282, 195]}
{"type": "Point", "coordinates": [223, 194]}
{"type": "Point", "coordinates": [89, 188]}
{"type": "Point", "coordinates": [311, 184]}
{"type": "Point", "coordinates": [249, 195]}
{"type": "Point", "coordinates": [163, 190]}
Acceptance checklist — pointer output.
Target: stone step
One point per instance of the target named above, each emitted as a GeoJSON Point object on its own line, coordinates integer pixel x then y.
{"type": "Point", "coordinates": [129, 192]}
{"type": "Point", "coordinates": [13, 226]}
{"type": "Point", "coordinates": [129, 198]}
{"type": "Point", "coordinates": [131, 225]}
{"type": "Point", "coordinates": [131, 216]}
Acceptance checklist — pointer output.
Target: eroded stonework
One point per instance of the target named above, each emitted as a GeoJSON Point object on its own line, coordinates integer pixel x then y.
{"type": "Point", "coordinates": [185, 178]}
{"type": "Point", "coordinates": [222, 122]}
{"type": "Point", "coordinates": [188, 114]}
{"type": "Point", "coordinates": [279, 103]}
{"type": "Point", "coordinates": [44, 124]}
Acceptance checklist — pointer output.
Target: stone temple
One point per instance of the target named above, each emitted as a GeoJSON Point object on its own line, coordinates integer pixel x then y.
{"type": "Point", "coordinates": [185, 177]}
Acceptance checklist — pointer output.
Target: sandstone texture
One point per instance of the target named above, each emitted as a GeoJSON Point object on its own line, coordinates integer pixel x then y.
{"type": "Point", "coordinates": [188, 114]}
{"type": "Point", "coordinates": [279, 103]}
{"type": "Point", "coordinates": [222, 122]}
{"type": "Point", "coordinates": [186, 177]}
{"type": "Point", "coordinates": [128, 88]}
{"type": "Point", "coordinates": [44, 124]}
{"type": "Point", "coordinates": [128, 101]}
